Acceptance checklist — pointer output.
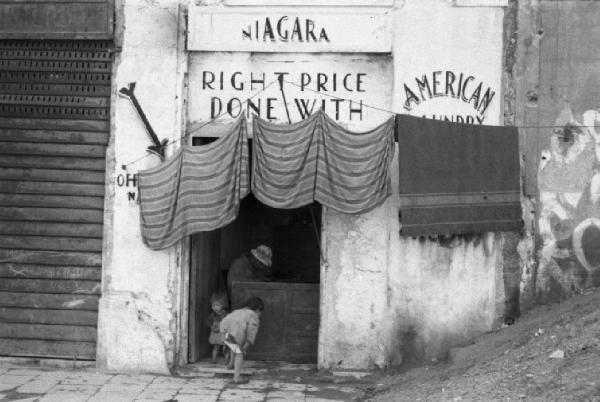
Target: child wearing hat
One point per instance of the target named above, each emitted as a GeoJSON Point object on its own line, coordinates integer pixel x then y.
{"type": "Point", "coordinates": [219, 309]}
{"type": "Point", "coordinates": [238, 331]}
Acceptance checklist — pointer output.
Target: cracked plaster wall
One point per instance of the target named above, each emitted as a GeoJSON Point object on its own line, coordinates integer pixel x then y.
{"type": "Point", "coordinates": [138, 322]}
{"type": "Point", "coordinates": [384, 299]}
{"type": "Point", "coordinates": [388, 299]}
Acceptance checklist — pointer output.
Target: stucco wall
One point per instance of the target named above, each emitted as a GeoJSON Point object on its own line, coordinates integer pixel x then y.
{"type": "Point", "coordinates": [386, 298]}
{"type": "Point", "coordinates": [138, 321]}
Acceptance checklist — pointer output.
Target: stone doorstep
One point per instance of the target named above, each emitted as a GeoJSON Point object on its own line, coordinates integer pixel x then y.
{"type": "Point", "coordinates": [250, 367]}
{"type": "Point", "coordinates": [350, 373]}
{"type": "Point", "coordinates": [216, 370]}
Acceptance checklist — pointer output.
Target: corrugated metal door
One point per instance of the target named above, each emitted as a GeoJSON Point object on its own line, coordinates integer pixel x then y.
{"type": "Point", "coordinates": [54, 129]}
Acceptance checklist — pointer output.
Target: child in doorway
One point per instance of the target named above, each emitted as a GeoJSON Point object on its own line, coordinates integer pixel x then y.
{"type": "Point", "coordinates": [239, 331]}
{"type": "Point", "coordinates": [219, 309]}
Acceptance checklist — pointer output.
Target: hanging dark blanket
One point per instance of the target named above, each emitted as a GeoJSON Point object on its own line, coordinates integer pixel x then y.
{"type": "Point", "coordinates": [457, 178]}
{"type": "Point", "coordinates": [198, 189]}
{"type": "Point", "coordinates": [317, 159]}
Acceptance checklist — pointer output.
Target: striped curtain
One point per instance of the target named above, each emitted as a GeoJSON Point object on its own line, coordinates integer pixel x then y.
{"type": "Point", "coordinates": [284, 162]}
{"type": "Point", "coordinates": [318, 160]}
{"type": "Point", "coordinates": [198, 189]}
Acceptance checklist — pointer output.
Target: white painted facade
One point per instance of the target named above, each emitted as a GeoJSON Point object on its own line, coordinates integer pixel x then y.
{"type": "Point", "coordinates": [382, 296]}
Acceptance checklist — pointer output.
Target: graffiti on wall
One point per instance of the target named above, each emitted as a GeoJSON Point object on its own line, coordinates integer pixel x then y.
{"type": "Point", "coordinates": [569, 223]}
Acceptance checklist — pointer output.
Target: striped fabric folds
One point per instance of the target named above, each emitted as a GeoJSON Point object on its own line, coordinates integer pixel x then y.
{"type": "Point", "coordinates": [198, 189]}
{"type": "Point", "coordinates": [354, 168]}
{"type": "Point", "coordinates": [318, 160]}
{"type": "Point", "coordinates": [284, 162]}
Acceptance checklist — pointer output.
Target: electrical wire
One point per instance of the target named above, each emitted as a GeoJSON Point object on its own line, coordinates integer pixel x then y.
{"type": "Point", "coordinates": [330, 96]}
{"type": "Point", "coordinates": [183, 137]}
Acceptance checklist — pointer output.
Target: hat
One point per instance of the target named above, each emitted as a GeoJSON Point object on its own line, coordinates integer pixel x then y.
{"type": "Point", "coordinates": [263, 254]}
{"type": "Point", "coordinates": [219, 297]}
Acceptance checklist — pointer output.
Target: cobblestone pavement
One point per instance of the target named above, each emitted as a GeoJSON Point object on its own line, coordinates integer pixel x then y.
{"type": "Point", "coordinates": [60, 385]}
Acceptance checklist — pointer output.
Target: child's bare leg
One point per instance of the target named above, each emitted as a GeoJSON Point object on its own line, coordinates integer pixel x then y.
{"type": "Point", "coordinates": [237, 366]}
{"type": "Point", "coordinates": [231, 359]}
{"type": "Point", "coordinates": [215, 352]}
{"type": "Point", "coordinates": [226, 353]}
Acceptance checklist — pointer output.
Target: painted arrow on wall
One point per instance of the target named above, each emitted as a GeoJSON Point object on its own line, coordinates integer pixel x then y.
{"type": "Point", "coordinates": [158, 147]}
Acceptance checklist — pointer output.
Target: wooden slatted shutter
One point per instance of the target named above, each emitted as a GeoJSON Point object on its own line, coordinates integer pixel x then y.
{"type": "Point", "coordinates": [54, 129]}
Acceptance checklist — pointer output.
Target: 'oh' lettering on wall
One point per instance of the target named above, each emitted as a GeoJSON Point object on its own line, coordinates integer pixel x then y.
{"type": "Point", "coordinates": [128, 181]}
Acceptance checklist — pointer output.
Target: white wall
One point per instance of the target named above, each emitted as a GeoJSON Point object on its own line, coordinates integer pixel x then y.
{"type": "Point", "coordinates": [386, 298]}
{"type": "Point", "coordinates": [381, 295]}
{"type": "Point", "coordinates": [138, 313]}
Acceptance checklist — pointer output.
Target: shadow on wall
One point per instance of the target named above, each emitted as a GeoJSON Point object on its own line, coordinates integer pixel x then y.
{"type": "Point", "coordinates": [411, 350]}
{"type": "Point", "coordinates": [569, 223]}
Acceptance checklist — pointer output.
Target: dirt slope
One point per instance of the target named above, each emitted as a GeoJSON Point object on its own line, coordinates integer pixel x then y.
{"type": "Point", "coordinates": [515, 362]}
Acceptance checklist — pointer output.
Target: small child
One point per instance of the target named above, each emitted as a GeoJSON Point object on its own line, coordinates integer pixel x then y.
{"type": "Point", "coordinates": [218, 305]}
{"type": "Point", "coordinates": [239, 330]}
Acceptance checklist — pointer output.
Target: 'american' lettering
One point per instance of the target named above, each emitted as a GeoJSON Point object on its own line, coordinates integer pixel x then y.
{"type": "Point", "coordinates": [447, 83]}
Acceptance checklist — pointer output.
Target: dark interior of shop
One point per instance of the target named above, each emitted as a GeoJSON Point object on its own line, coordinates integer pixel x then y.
{"type": "Point", "coordinates": [290, 321]}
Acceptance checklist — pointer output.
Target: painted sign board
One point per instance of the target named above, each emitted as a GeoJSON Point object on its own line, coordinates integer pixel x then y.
{"type": "Point", "coordinates": [297, 29]}
{"type": "Point", "coordinates": [467, 95]}
{"type": "Point", "coordinates": [65, 19]}
{"type": "Point", "coordinates": [222, 86]}
{"type": "Point", "coordinates": [459, 77]}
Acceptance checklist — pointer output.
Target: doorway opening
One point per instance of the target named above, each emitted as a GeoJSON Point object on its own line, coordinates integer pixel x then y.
{"type": "Point", "coordinates": [290, 322]}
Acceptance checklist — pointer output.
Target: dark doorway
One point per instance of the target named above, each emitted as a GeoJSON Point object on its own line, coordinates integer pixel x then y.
{"type": "Point", "coordinates": [290, 322]}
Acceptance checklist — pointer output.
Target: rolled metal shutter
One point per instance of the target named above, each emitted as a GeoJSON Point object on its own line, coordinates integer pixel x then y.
{"type": "Point", "coordinates": [54, 129]}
